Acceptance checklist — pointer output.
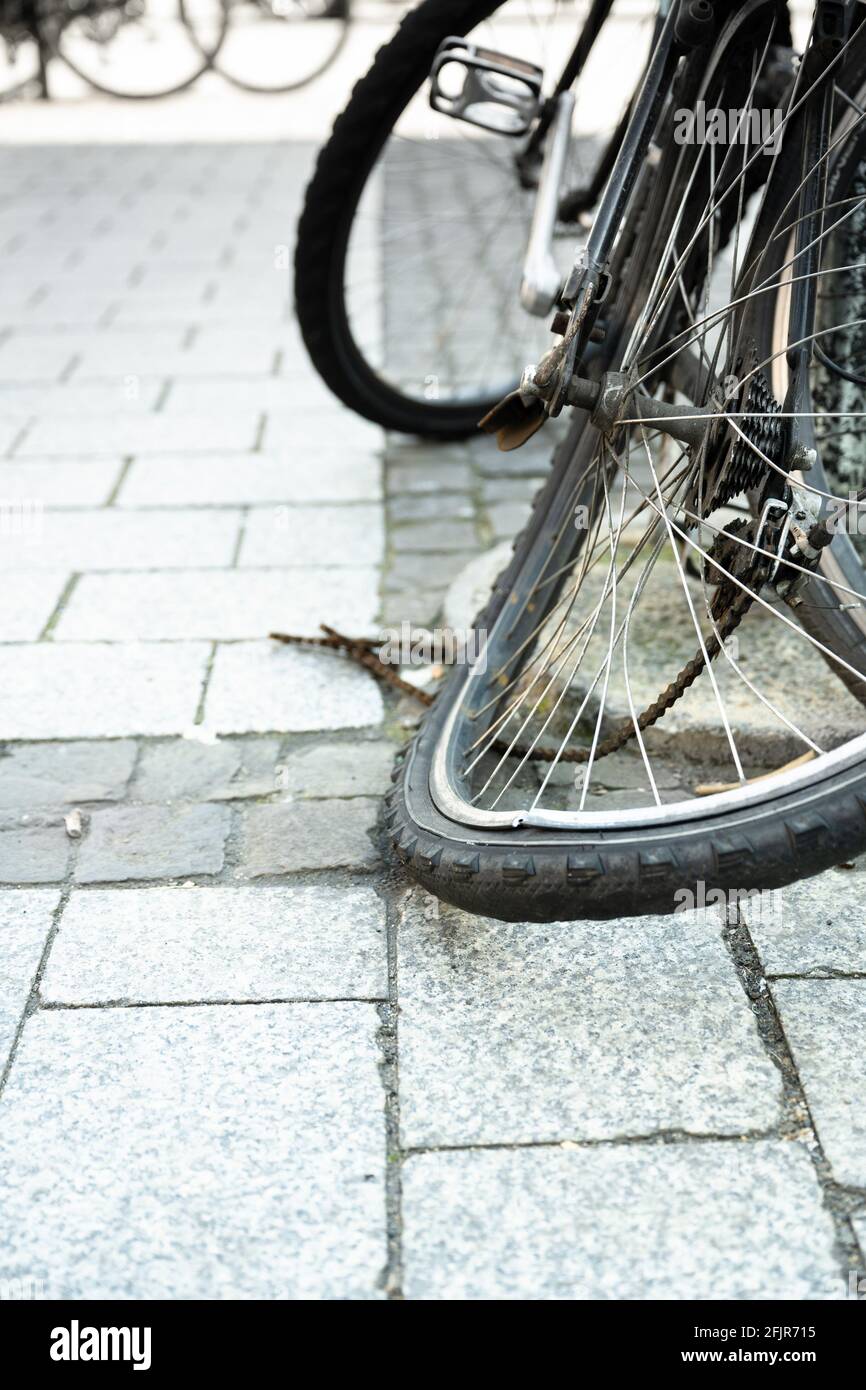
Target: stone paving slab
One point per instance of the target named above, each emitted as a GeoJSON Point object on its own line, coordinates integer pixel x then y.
{"type": "Point", "coordinates": [272, 393]}
{"type": "Point", "coordinates": [34, 853]}
{"type": "Point", "coordinates": [133, 842]}
{"type": "Point", "coordinates": [164, 945]}
{"type": "Point", "coordinates": [220, 479]}
{"type": "Point", "coordinates": [100, 690]}
{"type": "Point", "coordinates": [337, 769]}
{"type": "Point", "coordinates": [825, 1024]}
{"type": "Point", "coordinates": [817, 927]}
{"type": "Point", "coordinates": [25, 921]}
{"type": "Point", "coordinates": [287, 838]}
{"type": "Point", "coordinates": [59, 774]}
{"type": "Point", "coordinates": [121, 433]}
{"type": "Point", "coordinates": [222, 770]}
{"type": "Point", "coordinates": [59, 482]}
{"type": "Point", "coordinates": [227, 605]}
{"type": "Point", "coordinates": [27, 601]}
{"type": "Point", "coordinates": [313, 536]}
{"type": "Point", "coordinates": [526, 1033]}
{"type": "Point", "coordinates": [114, 540]}
{"type": "Point", "coordinates": [90, 398]}
{"type": "Point", "coordinates": [268, 1186]}
{"type": "Point", "coordinates": [257, 687]}
{"type": "Point", "coordinates": [709, 1221]}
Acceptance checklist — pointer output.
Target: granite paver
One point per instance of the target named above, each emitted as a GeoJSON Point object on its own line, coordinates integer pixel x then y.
{"type": "Point", "coordinates": [196, 1153]}
{"type": "Point", "coordinates": [25, 922]}
{"type": "Point", "coordinates": [257, 687]}
{"type": "Point", "coordinates": [717, 1221]}
{"type": "Point", "coordinates": [824, 1022]}
{"type": "Point", "coordinates": [817, 927]}
{"type": "Point", "coordinates": [284, 839]}
{"type": "Point", "coordinates": [58, 774]}
{"type": "Point", "coordinates": [529, 1033]}
{"type": "Point", "coordinates": [132, 842]}
{"type": "Point", "coordinates": [101, 690]}
{"type": "Point", "coordinates": [223, 604]}
{"type": "Point", "coordinates": [162, 945]}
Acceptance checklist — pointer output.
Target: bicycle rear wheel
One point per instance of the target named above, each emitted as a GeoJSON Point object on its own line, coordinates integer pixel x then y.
{"type": "Point", "coordinates": [650, 722]}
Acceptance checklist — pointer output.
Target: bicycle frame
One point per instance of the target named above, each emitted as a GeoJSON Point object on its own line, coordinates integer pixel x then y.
{"type": "Point", "coordinates": [555, 381]}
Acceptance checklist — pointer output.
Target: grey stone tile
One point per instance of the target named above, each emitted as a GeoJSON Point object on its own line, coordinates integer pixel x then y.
{"type": "Point", "coordinates": [424, 506]}
{"type": "Point", "coordinates": [314, 536]}
{"type": "Point", "coordinates": [109, 540]}
{"type": "Point", "coordinates": [517, 1033]}
{"type": "Point", "coordinates": [682, 1221]}
{"type": "Point", "coordinates": [521, 463]}
{"type": "Point", "coordinates": [410, 570]}
{"type": "Point", "coordinates": [260, 1126]}
{"type": "Point", "coordinates": [282, 839]}
{"type": "Point", "coordinates": [25, 921]}
{"type": "Point", "coordinates": [59, 482]}
{"type": "Point", "coordinates": [163, 945]}
{"type": "Point", "coordinates": [224, 770]}
{"type": "Point", "coordinates": [427, 536]}
{"type": "Point", "coordinates": [9, 431]}
{"type": "Point", "coordinates": [817, 927]}
{"type": "Point", "coordinates": [120, 433]}
{"type": "Point", "coordinates": [222, 604]}
{"type": "Point", "coordinates": [217, 479]}
{"type": "Point", "coordinates": [27, 602]}
{"type": "Point", "coordinates": [33, 853]}
{"type": "Point", "coordinates": [131, 842]}
{"type": "Point", "coordinates": [337, 769]}
{"type": "Point", "coordinates": [507, 519]}
{"type": "Point", "coordinates": [508, 490]}
{"type": "Point", "coordinates": [259, 687]}
{"type": "Point", "coordinates": [101, 690]}
{"type": "Point", "coordinates": [343, 428]}
{"type": "Point", "coordinates": [825, 1022]}
{"type": "Point", "coordinates": [270, 393]}
{"type": "Point", "coordinates": [431, 474]}
{"type": "Point", "coordinates": [133, 395]}
{"type": "Point", "coordinates": [22, 361]}
{"type": "Point", "coordinates": [59, 774]}
{"type": "Point", "coordinates": [412, 605]}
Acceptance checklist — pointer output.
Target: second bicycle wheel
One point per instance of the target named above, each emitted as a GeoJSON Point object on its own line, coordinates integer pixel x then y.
{"type": "Point", "coordinates": [415, 225]}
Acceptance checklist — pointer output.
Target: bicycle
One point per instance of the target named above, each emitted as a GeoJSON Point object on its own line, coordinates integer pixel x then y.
{"type": "Point", "coordinates": [708, 495]}
{"type": "Point", "coordinates": [282, 45]}
{"type": "Point", "coordinates": [134, 49]}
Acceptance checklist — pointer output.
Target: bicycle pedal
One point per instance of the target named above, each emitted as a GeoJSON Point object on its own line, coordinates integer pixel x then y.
{"type": "Point", "coordinates": [484, 88]}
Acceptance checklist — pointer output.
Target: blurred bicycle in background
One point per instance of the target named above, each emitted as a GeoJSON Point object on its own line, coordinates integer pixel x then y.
{"type": "Point", "coordinates": [154, 48]}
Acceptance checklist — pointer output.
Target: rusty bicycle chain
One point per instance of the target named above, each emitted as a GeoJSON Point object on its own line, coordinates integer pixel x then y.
{"type": "Point", "coordinates": [361, 650]}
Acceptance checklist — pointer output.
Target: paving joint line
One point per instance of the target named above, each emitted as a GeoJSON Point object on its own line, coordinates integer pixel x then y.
{"type": "Point", "coordinates": [656, 1138]}
{"type": "Point", "coordinates": [31, 1004]}
{"type": "Point", "coordinates": [56, 613]}
{"type": "Point", "coordinates": [390, 1075]}
{"type": "Point", "coordinates": [65, 1006]}
{"type": "Point", "coordinates": [797, 1121]}
{"type": "Point", "coordinates": [114, 490]}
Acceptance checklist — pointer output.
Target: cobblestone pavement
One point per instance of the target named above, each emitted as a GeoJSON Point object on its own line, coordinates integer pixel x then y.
{"type": "Point", "coordinates": [240, 1058]}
